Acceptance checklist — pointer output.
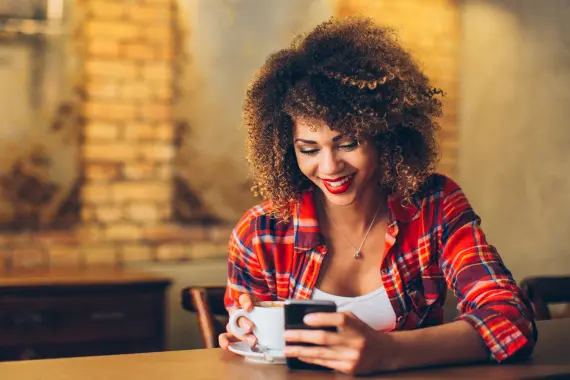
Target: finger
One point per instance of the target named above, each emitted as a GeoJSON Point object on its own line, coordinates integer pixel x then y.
{"type": "Point", "coordinates": [318, 352]}
{"type": "Point", "coordinates": [242, 322]}
{"type": "Point", "coordinates": [249, 338]}
{"type": "Point", "coordinates": [340, 320]}
{"type": "Point", "coordinates": [246, 302]}
{"type": "Point", "coordinates": [319, 337]}
{"type": "Point", "coordinates": [325, 319]}
{"type": "Point", "coordinates": [245, 324]}
{"type": "Point", "coordinates": [225, 339]}
{"type": "Point", "coordinates": [337, 365]}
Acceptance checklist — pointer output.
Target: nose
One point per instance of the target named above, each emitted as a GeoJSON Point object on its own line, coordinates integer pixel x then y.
{"type": "Point", "coordinates": [330, 163]}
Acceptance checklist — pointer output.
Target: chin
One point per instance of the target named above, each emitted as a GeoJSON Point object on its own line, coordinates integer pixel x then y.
{"type": "Point", "coordinates": [339, 199]}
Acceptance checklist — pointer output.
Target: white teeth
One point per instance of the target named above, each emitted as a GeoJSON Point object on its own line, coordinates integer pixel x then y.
{"type": "Point", "coordinates": [339, 183]}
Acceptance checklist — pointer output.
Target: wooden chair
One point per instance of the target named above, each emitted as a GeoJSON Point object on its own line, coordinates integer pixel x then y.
{"type": "Point", "coordinates": [208, 304]}
{"type": "Point", "coordinates": [546, 290]}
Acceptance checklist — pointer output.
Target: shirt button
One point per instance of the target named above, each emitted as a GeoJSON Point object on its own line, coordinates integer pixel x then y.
{"type": "Point", "coordinates": [400, 319]}
{"type": "Point", "coordinates": [384, 271]}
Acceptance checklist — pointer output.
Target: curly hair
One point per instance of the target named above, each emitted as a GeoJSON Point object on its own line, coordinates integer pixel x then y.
{"type": "Point", "coordinates": [354, 75]}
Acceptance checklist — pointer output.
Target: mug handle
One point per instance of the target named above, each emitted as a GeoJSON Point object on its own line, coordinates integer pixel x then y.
{"type": "Point", "coordinates": [234, 328]}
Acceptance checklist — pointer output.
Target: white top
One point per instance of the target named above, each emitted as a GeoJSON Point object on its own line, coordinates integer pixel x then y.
{"type": "Point", "coordinates": [374, 308]}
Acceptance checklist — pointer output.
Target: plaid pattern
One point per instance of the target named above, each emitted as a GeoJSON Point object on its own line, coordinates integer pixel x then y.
{"type": "Point", "coordinates": [432, 244]}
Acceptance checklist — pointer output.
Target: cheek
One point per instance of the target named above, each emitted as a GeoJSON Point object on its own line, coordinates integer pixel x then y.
{"type": "Point", "coordinates": [372, 164]}
{"type": "Point", "coordinates": [306, 165]}
{"type": "Point", "coordinates": [367, 163]}
{"type": "Point", "coordinates": [307, 169]}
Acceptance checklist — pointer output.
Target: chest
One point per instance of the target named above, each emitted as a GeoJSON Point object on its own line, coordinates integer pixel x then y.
{"type": "Point", "coordinates": [345, 273]}
{"type": "Point", "coordinates": [406, 266]}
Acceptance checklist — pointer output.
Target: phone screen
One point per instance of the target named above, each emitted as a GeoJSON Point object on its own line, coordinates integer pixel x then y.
{"type": "Point", "coordinates": [295, 311]}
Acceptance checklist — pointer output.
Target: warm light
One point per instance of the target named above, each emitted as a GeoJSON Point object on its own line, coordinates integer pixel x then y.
{"type": "Point", "coordinates": [55, 9]}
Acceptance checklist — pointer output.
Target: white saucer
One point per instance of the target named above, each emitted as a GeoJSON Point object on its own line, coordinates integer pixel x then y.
{"type": "Point", "coordinates": [243, 349]}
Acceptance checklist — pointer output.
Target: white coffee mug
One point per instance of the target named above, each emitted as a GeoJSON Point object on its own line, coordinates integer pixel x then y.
{"type": "Point", "coordinates": [269, 324]}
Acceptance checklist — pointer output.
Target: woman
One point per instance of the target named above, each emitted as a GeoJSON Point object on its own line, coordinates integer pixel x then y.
{"type": "Point", "coordinates": [342, 146]}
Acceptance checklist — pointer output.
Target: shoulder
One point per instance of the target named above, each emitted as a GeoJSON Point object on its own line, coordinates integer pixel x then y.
{"type": "Point", "coordinates": [258, 220]}
{"type": "Point", "coordinates": [444, 197]}
{"type": "Point", "coordinates": [439, 189]}
{"type": "Point", "coordinates": [251, 218]}
{"type": "Point", "coordinates": [441, 195]}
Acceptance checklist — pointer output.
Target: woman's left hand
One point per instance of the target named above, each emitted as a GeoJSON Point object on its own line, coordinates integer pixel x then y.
{"type": "Point", "coordinates": [356, 348]}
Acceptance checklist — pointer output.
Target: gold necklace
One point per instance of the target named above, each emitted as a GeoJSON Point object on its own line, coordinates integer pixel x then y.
{"type": "Point", "coordinates": [357, 251]}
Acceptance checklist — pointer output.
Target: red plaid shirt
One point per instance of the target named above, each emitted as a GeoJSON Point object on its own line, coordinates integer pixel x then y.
{"type": "Point", "coordinates": [433, 244]}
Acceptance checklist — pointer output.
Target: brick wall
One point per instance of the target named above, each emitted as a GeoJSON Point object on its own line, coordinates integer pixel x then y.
{"type": "Point", "coordinates": [127, 138]}
{"type": "Point", "coordinates": [430, 30]}
{"type": "Point", "coordinates": [128, 148]}
{"type": "Point", "coordinates": [125, 50]}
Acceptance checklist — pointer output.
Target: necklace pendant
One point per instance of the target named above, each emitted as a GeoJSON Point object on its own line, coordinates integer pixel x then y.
{"type": "Point", "coordinates": [357, 254]}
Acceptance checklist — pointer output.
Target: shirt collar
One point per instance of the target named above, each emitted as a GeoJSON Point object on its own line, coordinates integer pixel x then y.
{"type": "Point", "coordinates": [307, 229]}
{"type": "Point", "coordinates": [306, 223]}
{"type": "Point", "coordinates": [403, 213]}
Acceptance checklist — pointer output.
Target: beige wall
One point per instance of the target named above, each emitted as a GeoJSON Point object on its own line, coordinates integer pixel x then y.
{"type": "Point", "coordinates": [514, 145]}
{"type": "Point", "coordinates": [228, 42]}
{"type": "Point", "coordinates": [35, 82]}
{"type": "Point", "coordinates": [429, 29]}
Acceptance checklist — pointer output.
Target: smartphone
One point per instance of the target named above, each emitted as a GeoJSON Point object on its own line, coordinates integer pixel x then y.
{"type": "Point", "coordinates": [295, 311]}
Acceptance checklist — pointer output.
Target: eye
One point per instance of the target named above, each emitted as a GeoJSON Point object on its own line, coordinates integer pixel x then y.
{"type": "Point", "coordinates": [349, 146]}
{"type": "Point", "coordinates": [309, 152]}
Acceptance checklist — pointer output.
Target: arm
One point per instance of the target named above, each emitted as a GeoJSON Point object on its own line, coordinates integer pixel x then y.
{"type": "Point", "coordinates": [452, 343]}
{"type": "Point", "coordinates": [245, 273]}
{"type": "Point", "coordinates": [489, 299]}
{"type": "Point", "coordinates": [496, 320]}
{"type": "Point", "coordinates": [246, 281]}
{"type": "Point", "coordinates": [358, 349]}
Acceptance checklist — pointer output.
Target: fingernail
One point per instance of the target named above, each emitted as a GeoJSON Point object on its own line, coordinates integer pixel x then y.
{"type": "Point", "coordinates": [247, 326]}
{"type": "Point", "coordinates": [251, 340]}
{"type": "Point", "coordinates": [309, 318]}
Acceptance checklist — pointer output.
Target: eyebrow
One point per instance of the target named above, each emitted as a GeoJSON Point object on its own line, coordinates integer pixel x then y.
{"type": "Point", "coordinates": [335, 139]}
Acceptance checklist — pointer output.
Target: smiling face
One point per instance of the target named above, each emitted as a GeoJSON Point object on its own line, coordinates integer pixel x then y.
{"type": "Point", "coordinates": [337, 164]}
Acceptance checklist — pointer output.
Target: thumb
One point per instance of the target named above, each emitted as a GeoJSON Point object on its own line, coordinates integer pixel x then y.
{"type": "Point", "coordinates": [353, 322]}
{"type": "Point", "coordinates": [246, 301]}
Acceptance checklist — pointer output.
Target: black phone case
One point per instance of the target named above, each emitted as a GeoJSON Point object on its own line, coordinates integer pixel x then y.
{"type": "Point", "coordinates": [294, 313]}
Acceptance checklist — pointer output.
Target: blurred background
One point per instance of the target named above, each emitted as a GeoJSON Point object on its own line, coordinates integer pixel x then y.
{"type": "Point", "coordinates": [121, 144]}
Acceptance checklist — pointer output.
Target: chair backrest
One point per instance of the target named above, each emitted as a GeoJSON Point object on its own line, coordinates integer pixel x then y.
{"type": "Point", "coordinates": [208, 304]}
{"type": "Point", "coordinates": [546, 290]}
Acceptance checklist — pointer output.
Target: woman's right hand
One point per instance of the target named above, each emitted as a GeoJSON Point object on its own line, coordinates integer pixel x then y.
{"type": "Point", "coordinates": [224, 340]}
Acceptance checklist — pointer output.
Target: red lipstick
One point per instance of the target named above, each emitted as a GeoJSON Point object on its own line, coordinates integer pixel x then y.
{"type": "Point", "coordinates": [333, 186]}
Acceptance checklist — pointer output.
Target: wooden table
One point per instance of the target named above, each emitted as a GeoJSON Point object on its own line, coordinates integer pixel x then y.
{"type": "Point", "coordinates": [551, 356]}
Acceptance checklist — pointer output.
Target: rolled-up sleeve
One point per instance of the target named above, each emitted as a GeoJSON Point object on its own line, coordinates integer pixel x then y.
{"type": "Point", "coordinates": [489, 298]}
{"type": "Point", "coordinates": [245, 274]}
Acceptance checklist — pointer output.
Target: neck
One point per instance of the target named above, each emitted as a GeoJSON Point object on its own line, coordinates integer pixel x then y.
{"type": "Point", "coordinates": [357, 216]}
